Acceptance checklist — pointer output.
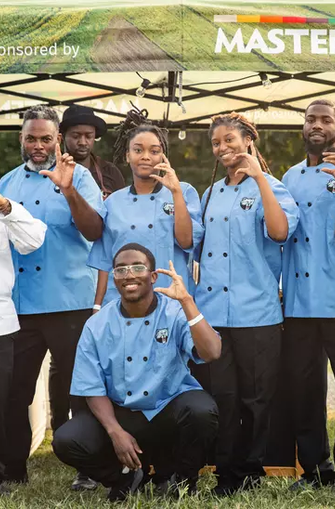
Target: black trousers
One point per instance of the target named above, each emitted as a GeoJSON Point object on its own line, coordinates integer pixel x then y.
{"type": "Point", "coordinates": [307, 344]}
{"type": "Point", "coordinates": [6, 372]}
{"type": "Point", "coordinates": [175, 440]}
{"type": "Point", "coordinates": [59, 397]}
{"type": "Point", "coordinates": [243, 382]}
{"type": "Point", "coordinates": [60, 333]}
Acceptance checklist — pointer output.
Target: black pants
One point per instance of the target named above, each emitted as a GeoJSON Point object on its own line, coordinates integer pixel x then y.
{"type": "Point", "coordinates": [307, 343]}
{"type": "Point", "coordinates": [59, 397]}
{"type": "Point", "coordinates": [243, 382]}
{"type": "Point", "coordinates": [6, 372]}
{"type": "Point", "coordinates": [60, 333]}
{"type": "Point", "coordinates": [177, 439]}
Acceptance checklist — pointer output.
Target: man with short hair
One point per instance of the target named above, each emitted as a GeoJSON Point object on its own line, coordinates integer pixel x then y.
{"type": "Point", "coordinates": [54, 288]}
{"type": "Point", "coordinates": [131, 365]}
{"type": "Point", "coordinates": [80, 127]}
{"type": "Point", "coordinates": [26, 234]}
{"type": "Point", "coordinates": [309, 292]}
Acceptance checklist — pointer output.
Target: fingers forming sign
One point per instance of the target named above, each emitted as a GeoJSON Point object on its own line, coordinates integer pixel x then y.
{"type": "Point", "coordinates": [62, 175]}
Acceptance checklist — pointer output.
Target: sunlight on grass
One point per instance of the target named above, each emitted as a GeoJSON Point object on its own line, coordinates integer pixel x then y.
{"type": "Point", "coordinates": [50, 481]}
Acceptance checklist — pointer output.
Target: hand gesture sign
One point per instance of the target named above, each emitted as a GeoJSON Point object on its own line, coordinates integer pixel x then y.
{"type": "Point", "coordinates": [170, 179]}
{"type": "Point", "coordinates": [329, 157]}
{"type": "Point", "coordinates": [3, 201]}
{"type": "Point", "coordinates": [177, 288]}
{"type": "Point", "coordinates": [62, 175]}
{"type": "Point", "coordinates": [252, 168]}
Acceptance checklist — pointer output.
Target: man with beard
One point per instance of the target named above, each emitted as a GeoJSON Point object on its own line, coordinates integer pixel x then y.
{"type": "Point", "coordinates": [132, 366]}
{"type": "Point", "coordinates": [54, 288]}
{"type": "Point", "coordinates": [80, 127]}
{"type": "Point", "coordinates": [309, 293]}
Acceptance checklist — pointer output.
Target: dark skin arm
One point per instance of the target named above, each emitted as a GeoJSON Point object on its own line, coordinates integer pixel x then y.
{"type": "Point", "coordinates": [86, 219]}
{"type": "Point", "coordinates": [101, 288]}
{"type": "Point", "coordinates": [125, 445]}
{"type": "Point", "coordinates": [183, 222]}
{"type": "Point", "coordinates": [206, 340]}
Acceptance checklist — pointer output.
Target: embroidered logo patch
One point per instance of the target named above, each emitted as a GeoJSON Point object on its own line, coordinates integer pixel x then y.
{"type": "Point", "coordinates": [247, 203]}
{"type": "Point", "coordinates": [168, 208]}
{"type": "Point", "coordinates": [162, 335]}
{"type": "Point", "coordinates": [331, 186]}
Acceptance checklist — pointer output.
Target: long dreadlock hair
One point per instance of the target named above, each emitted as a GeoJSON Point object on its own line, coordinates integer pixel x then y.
{"type": "Point", "coordinates": [234, 121]}
{"type": "Point", "coordinates": [246, 128]}
{"type": "Point", "coordinates": [136, 122]}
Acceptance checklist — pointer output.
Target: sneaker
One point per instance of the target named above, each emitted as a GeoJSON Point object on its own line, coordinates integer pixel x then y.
{"type": "Point", "coordinates": [83, 482]}
{"type": "Point", "coordinates": [229, 488]}
{"type": "Point", "coordinates": [304, 484]}
{"type": "Point", "coordinates": [177, 486]}
{"type": "Point", "coordinates": [4, 490]}
{"type": "Point", "coordinates": [128, 484]}
{"type": "Point", "coordinates": [16, 478]}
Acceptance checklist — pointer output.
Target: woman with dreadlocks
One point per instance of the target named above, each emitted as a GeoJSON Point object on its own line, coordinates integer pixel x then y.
{"type": "Point", "coordinates": [156, 211]}
{"type": "Point", "coordinates": [247, 215]}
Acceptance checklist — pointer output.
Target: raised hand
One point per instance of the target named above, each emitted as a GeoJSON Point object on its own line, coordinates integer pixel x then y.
{"type": "Point", "coordinates": [170, 179]}
{"type": "Point", "coordinates": [252, 166]}
{"type": "Point", "coordinates": [329, 157]}
{"type": "Point", "coordinates": [5, 206]}
{"type": "Point", "coordinates": [3, 201]}
{"type": "Point", "coordinates": [177, 288]}
{"type": "Point", "coordinates": [62, 175]}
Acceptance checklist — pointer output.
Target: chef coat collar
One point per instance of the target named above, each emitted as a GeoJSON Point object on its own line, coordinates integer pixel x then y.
{"type": "Point", "coordinates": [227, 180]}
{"type": "Point", "coordinates": [156, 189]}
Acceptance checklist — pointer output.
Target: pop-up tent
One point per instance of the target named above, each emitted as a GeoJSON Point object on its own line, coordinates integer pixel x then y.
{"type": "Point", "coordinates": [192, 59]}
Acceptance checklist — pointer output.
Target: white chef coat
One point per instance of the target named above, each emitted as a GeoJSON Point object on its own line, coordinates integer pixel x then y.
{"type": "Point", "coordinates": [26, 234]}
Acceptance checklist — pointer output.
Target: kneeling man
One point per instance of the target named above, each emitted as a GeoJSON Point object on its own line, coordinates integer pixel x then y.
{"type": "Point", "coordinates": [131, 364]}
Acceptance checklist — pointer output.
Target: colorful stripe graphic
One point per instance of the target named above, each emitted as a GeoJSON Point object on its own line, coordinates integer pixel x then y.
{"type": "Point", "coordinates": [242, 18]}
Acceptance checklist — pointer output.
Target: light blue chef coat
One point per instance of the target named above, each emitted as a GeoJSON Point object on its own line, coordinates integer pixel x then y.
{"type": "Point", "coordinates": [309, 256]}
{"type": "Point", "coordinates": [147, 219]}
{"type": "Point", "coordinates": [139, 363]}
{"type": "Point", "coordinates": [238, 272]}
{"type": "Point", "coordinates": [55, 277]}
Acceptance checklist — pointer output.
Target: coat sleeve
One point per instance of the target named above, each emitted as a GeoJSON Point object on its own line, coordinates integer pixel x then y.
{"type": "Point", "coordinates": [88, 377]}
{"type": "Point", "coordinates": [24, 231]}
{"type": "Point", "coordinates": [101, 255]}
{"type": "Point", "coordinates": [289, 206]}
{"type": "Point", "coordinates": [192, 201]}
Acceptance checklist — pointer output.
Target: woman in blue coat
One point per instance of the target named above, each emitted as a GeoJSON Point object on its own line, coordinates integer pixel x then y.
{"type": "Point", "coordinates": [247, 216]}
{"type": "Point", "coordinates": [156, 211]}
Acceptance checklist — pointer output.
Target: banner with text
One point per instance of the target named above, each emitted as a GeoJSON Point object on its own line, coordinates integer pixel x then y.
{"type": "Point", "coordinates": [107, 35]}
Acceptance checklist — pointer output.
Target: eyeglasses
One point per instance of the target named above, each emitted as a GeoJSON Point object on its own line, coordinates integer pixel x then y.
{"type": "Point", "coordinates": [136, 270]}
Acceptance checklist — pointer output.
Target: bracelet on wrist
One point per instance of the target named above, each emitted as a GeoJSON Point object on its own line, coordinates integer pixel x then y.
{"type": "Point", "coordinates": [97, 307]}
{"type": "Point", "coordinates": [195, 320]}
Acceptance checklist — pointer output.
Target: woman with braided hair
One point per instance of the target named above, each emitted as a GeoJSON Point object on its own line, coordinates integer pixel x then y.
{"type": "Point", "coordinates": [156, 211]}
{"type": "Point", "coordinates": [247, 215]}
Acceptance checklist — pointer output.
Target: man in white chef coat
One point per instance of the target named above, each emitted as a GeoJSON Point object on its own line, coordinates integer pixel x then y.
{"type": "Point", "coordinates": [26, 234]}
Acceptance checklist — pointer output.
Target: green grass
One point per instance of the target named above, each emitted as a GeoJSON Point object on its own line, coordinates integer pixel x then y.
{"type": "Point", "coordinates": [50, 482]}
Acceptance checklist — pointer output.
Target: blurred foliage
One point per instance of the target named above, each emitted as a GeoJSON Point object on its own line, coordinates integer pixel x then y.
{"type": "Point", "coordinates": [192, 158]}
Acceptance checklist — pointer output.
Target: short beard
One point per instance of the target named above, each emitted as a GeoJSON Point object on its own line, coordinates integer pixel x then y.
{"type": "Point", "coordinates": [133, 299]}
{"type": "Point", "coordinates": [316, 149]}
{"type": "Point", "coordinates": [50, 161]}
